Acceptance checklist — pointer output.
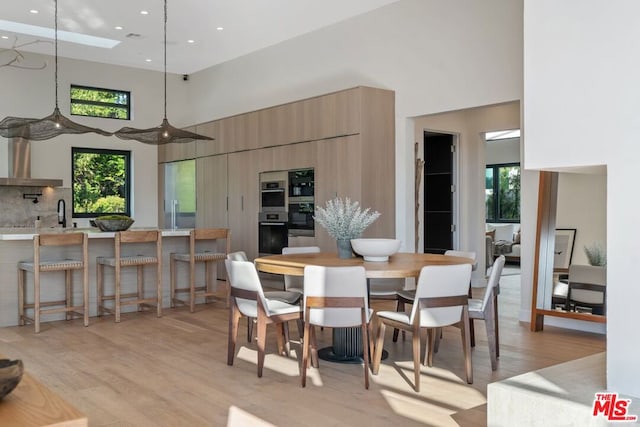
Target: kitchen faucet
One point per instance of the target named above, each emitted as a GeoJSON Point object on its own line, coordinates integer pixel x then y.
{"type": "Point", "coordinates": [62, 213]}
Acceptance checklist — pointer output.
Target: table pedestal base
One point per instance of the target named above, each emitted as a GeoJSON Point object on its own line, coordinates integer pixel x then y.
{"type": "Point", "coordinates": [347, 347]}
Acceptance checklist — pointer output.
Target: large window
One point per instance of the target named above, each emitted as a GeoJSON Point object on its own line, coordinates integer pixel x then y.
{"type": "Point", "coordinates": [502, 192]}
{"type": "Point", "coordinates": [101, 182]}
{"type": "Point", "coordinates": [96, 102]}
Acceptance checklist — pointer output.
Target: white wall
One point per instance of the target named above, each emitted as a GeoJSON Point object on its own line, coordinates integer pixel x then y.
{"type": "Point", "coordinates": [581, 108]}
{"type": "Point", "coordinates": [31, 94]}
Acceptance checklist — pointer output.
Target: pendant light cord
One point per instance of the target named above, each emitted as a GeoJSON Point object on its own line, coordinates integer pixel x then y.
{"type": "Point", "coordinates": [165, 59]}
{"type": "Point", "coordinates": [56, 50]}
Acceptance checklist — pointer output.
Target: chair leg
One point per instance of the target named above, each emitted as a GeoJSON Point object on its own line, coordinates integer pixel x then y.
{"type": "Point", "coordinates": [282, 337]}
{"type": "Point", "coordinates": [140, 275]}
{"type": "Point", "coordinates": [466, 344]}
{"type": "Point", "coordinates": [117, 294]}
{"type": "Point", "coordinates": [234, 320]}
{"type": "Point", "coordinates": [365, 349]}
{"type": "Point", "coordinates": [159, 289]}
{"type": "Point", "coordinates": [314, 348]}
{"type": "Point", "coordinates": [192, 287]}
{"type": "Point", "coordinates": [432, 339]}
{"type": "Point", "coordinates": [490, 324]}
{"type": "Point", "coordinates": [249, 328]}
{"type": "Point", "coordinates": [399, 307]}
{"type": "Point", "coordinates": [378, 347]}
{"type": "Point", "coordinates": [262, 339]}
{"type": "Point", "coordinates": [436, 341]}
{"type": "Point", "coordinates": [85, 293]}
{"type": "Point", "coordinates": [472, 334]}
{"type": "Point", "coordinates": [306, 340]}
{"type": "Point", "coordinates": [495, 314]}
{"type": "Point", "coordinates": [415, 345]}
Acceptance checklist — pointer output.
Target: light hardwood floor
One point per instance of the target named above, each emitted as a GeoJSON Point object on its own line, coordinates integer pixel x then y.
{"type": "Point", "coordinates": [172, 371]}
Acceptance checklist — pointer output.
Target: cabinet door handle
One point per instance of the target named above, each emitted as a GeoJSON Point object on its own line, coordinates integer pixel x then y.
{"type": "Point", "coordinates": [227, 203]}
{"type": "Point", "coordinates": [241, 203]}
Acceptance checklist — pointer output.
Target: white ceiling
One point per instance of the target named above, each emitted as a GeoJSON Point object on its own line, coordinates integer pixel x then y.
{"type": "Point", "coordinates": [249, 25]}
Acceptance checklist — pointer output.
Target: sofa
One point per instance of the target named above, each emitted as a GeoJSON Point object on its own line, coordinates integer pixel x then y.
{"type": "Point", "coordinates": [506, 240]}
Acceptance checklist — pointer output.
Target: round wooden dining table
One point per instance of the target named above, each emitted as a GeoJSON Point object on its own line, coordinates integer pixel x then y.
{"type": "Point", "coordinates": [347, 342]}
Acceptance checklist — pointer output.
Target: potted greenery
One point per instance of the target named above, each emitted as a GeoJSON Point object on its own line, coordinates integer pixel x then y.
{"type": "Point", "coordinates": [344, 220]}
{"type": "Point", "coordinates": [596, 254]}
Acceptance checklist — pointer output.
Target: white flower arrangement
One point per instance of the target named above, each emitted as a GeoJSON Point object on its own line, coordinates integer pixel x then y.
{"type": "Point", "coordinates": [343, 219]}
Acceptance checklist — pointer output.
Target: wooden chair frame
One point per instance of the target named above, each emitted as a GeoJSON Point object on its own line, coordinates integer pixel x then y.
{"type": "Point", "coordinates": [262, 321]}
{"type": "Point", "coordinates": [414, 328]}
{"type": "Point", "coordinates": [309, 340]}
{"type": "Point", "coordinates": [38, 266]}
{"type": "Point", "coordinates": [206, 290]}
{"type": "Point", "coordinates": [131, 298]}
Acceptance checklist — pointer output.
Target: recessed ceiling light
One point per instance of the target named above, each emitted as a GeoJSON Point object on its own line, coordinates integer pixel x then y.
{"type": "Point", "coordinates": [33, 11]}
{"type": "Point", "coordinates": [118, 27]}
{"type": "Point", "coordinates": [147, 60]}
{"type": "Point", "coordinates": [144, 12]}
{"type": "Point", "coordinates": [220, 28]}
{"type": "Point", "coordinates": [191, 41]}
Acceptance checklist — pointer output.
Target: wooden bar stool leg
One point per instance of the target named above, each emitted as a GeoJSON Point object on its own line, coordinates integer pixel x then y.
{"type": "Point", "coordinates": [159, 288]}
{"type": "Point", "coordinates": [117, 293]}
{"type": "Point", "coordinates": [85, 293]}
{"type": "Point", "coordinates": [21, 274]}
{"type": "Point", "coordinates": [207, 280]}
{"type": "Point", "coordinates": [172, 281]}
{"type": "Point", "coordinates": [140, 275]}
{"type": "Point", "coordinates": [36, 299]}
{"type": "Point", "coordinates": [192, 286]}
{"type": "Point", "coordinates": [99, 286]}
{"type": "Point", "coordinates": [68, 289]}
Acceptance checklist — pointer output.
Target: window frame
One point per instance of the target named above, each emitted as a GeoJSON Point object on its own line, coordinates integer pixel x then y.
{"type": "Point", "coordinates": [127, 171]}
{"type": "Point", "coordinates": [76, 101]}
{"type": "Point", "coordinates": [496, 190]}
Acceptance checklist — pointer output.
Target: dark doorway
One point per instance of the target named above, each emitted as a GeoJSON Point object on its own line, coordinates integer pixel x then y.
{"type": "Point", "coordinates": [438, 192]}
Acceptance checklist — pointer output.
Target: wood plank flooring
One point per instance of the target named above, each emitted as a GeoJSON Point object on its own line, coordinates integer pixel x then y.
{"type": "Point", "coordinates": [172, 371]}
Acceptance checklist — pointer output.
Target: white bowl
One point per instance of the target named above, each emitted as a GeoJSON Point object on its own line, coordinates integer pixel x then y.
{"type": "Point", "coordinates": [375, 249]}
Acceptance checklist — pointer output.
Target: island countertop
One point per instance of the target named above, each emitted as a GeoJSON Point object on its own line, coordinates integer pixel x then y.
{"type": "Point", "coordinates": [21, 233]}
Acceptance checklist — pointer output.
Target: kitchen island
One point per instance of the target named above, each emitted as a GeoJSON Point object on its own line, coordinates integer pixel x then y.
{"type": "Point", "coordinates": [16, 244]}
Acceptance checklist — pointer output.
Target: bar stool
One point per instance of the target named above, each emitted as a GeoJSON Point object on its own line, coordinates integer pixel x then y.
{"type": "Point", "coordinates": [40, 265]}
{"type": "Point", "coordinates": [118, 261]}
{"type": "Point", "coordinates": [204, 248]}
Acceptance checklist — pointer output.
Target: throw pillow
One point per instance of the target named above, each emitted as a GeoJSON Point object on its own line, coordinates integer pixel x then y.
{"type": "Point", "coordinates": [516, 237]}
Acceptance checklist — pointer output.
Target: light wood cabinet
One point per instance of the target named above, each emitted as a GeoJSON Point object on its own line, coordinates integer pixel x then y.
{"type": "Point", "coordinates": [211, 192]}
{"type": "Point", "coordinates": [244, 203]}
{"type": "Point", "coordinates": [348, 137]}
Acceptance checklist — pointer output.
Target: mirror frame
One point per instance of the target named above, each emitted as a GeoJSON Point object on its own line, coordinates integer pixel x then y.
{"type": "Point", "coordinates": [543, 253]}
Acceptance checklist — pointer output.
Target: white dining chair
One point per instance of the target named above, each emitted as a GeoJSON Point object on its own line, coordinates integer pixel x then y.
{"type": "Point", "coordinates": [441, 299]}
{"type": "Point", "coordinates": [247, 299]}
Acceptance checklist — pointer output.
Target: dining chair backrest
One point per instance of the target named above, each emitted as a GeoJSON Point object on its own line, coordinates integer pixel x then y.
{"type": "Point", "coordinates": [494, 280]}
{"type": "Point", "coordinates": [581, 275]}
{"type": "Point", "coordinates": [463, 254]}
{"type": "Point", "coordinates": [244, 276]}
{"type": "Point", "coordinates": [341, 282]}
{"type": "Point", "coordinates": [237, 256]}
{"type": "Point", "coordinates": [296, 282]}
{"type": "Point", "coordinates": [441, 281]}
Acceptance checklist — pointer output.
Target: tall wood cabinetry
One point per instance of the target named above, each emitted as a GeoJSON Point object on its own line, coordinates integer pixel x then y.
{"type": "Point", "coordinates": [348, 137]}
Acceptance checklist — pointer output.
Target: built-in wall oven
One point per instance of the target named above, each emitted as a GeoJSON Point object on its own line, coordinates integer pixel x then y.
{"type": "Point", "coordinates": [272, 232]}
{"type": "Point", "coordinates": [301, 211]}
{"type": "Point", "coordinates": [273, 196]}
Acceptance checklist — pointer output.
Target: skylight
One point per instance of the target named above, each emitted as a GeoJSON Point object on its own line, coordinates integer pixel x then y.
{"type": "Point", "coordinates": [502, 134]}
{"type": "Point", "coordinates": [33, 30]}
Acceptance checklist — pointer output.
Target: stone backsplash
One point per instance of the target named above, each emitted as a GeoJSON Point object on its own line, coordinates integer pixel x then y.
{"type": "Point", "coordinates": [16, 211]}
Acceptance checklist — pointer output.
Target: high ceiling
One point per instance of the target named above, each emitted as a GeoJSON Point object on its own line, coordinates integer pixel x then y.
{"type": "Point", "coordinates": [247, 26]}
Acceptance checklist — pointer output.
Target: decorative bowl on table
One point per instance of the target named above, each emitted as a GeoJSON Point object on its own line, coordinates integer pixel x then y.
{"type": "Point", "coordinates": [377, 250]}
{"type": "Point", "coordinates": [10, 375]}
{"type": "Point", "coordinates": [113, 222]}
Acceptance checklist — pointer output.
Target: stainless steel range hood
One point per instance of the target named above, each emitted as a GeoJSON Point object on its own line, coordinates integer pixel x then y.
{"type": "Point", "coordinates": [19, 158]}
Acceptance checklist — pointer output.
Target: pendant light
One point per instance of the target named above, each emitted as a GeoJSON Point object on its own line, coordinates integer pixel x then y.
{"type": "Point", "coordinates": [51, 126]}
{"type": "Point", "coordinates": [165, 133]}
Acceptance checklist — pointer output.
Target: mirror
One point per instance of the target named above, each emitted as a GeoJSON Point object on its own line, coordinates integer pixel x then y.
{"type": "Point", "coordinates": [570, 237]}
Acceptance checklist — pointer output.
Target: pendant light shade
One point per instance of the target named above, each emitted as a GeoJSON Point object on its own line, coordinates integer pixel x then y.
{"type": "Point", "coordinates": [51, 126]}
{"type": "Point", "coordinates": [165, 133]}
